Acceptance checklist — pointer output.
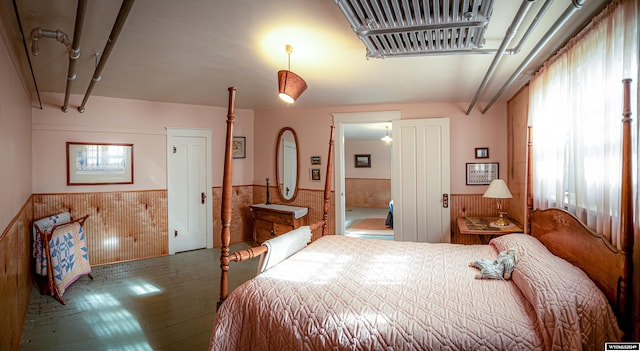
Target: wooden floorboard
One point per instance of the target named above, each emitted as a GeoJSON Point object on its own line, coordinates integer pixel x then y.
{"type": "Point", "coordinates": [165, 303]}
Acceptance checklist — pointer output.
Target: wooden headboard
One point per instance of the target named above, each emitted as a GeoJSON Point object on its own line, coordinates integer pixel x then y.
{"type": "Point", "coordinates": [609, 267]}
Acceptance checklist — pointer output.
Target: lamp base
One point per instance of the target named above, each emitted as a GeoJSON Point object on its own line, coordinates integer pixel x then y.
{"type": "Point", "coordinates": [502, 221]}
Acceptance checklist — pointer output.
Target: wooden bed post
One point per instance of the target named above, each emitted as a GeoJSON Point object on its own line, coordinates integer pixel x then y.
{"type": "Point", "coordinates": [227, 198]}
{"type": "Point", "coordinates": [225, 257]}
{"type": "Point", "coordinates": [626, 218]}
{"type": "Point", "coordinates": [527, 215]}
{"type": "Point", "coordinates": [327, 184]}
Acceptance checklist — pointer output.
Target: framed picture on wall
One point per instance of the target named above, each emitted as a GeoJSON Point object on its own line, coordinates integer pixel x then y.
{"type": "Point", "coordinates": [362, 161]}
{"type": "Point", "coordinates": [315, 174]}
{"type": "Point", "coordinates": [482, 152]}
{"type": "Point", "coordinates": [315, 160]}
{"type": "Point", "coordinates": [99, 163]}
{"type": "Point", "coordinates": [239, 147]}
{"type": "Point", "coordinates": [482, 173]}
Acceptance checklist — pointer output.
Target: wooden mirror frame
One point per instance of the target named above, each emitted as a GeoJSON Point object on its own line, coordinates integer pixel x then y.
{"type": "Point", "coordinates": [280, 157]}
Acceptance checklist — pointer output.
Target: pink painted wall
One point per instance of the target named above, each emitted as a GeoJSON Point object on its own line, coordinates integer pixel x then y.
{"type": "Point", "coordinates": [143, 123]}
{"type": "Point", "coordinates": [380, 159]}
{"type": "Point", "coordinates": [15, 140]}
{"type": "Point", "coordinates": [312, 129]}
{"type": "Point", "coordinates": [312, 126]}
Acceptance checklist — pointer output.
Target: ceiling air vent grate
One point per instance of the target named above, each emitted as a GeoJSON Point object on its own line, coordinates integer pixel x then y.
{"type": "Point", "coordinates": [418, 27]}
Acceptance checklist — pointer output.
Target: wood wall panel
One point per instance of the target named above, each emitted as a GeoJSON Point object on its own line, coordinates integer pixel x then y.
{"type": "Point", "coordinates": [125, 226]}
{"type": "Point", "coordinates": [241, 228]}
{"type": "Point", "coordinates": [312, 199]}
{"type": "Point", "coordinates": [368, 193]}
{"type": "Point", "coordinates": [122, 226]}
{"type": "Point", "coordinates": [517, 121]}
{"type": "Point", "coordinates": [461, 205]}
{"type": "Point", "coordinates": [15, 277]}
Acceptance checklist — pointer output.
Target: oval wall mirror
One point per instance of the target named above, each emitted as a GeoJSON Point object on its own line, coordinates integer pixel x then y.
{"type": "Point", "coordinates": [287, 164]}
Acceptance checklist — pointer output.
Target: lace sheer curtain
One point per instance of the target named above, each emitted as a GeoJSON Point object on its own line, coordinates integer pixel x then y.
{"type": "Point", "coordinates": [576, 109]}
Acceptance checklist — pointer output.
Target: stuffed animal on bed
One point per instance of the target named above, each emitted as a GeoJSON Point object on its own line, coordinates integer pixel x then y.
{"type": "Point", "coordinates": [500, 268]}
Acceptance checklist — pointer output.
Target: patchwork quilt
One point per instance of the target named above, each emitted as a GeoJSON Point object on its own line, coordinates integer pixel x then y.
{"type": "Point", "coordinates": [45, 225]}
{"type": "Point", "coordinates": [69, 257]}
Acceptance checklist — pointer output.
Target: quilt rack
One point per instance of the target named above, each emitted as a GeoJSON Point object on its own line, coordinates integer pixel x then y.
{"type": "Point", "coordinates": [60, 253]}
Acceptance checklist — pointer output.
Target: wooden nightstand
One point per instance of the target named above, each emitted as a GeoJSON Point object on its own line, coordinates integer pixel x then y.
{"type": "Point", "coordinates": [482, 226]}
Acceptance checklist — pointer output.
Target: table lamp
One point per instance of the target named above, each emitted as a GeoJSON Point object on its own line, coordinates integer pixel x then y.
{"type": "Point", "coordinates": [498, 190]}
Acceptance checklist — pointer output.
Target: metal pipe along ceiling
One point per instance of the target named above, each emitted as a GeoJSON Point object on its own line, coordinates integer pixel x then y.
{"type": "Point", "coordinates": [513, 51]}
{"type": "Point", "coordinates": [532, 26]}
{"type": "Point", "coordinates": [26, 51]}
{"type": "Point", "coordinates": [511, 32]}
{"type": "Point", "coordinates": [400, 28]}
{"type": "Point", "coordinates": [57, 34]}
{"type": "Point", "coordinates": [125, 8]}
{"type": "Point", "coordinates": [61, 37]}
{"type": "Point", "coordinates": [74, 54]}
{"type": "Point", "coordinates": [575, 6]}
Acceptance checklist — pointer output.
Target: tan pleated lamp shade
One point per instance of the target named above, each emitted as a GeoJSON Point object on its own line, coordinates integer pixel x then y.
{"type": "Point", "coordinates": [290, 86]}
{"type": "Point", "coordinates": [498, 189]}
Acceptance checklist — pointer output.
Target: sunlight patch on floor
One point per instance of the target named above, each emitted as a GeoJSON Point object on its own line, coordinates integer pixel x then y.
{"type": "Point", "coordinates": [143, 288]}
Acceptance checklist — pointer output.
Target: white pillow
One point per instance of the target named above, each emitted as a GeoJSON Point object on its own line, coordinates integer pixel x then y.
{"type": "Point", "coordinates": [574, 313]}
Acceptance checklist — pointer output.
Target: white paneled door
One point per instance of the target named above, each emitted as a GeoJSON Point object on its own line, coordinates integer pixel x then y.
{"type": "Point", "coordinates": [189, 194]}
{"type": "Point", "coordinates": [420, 182]}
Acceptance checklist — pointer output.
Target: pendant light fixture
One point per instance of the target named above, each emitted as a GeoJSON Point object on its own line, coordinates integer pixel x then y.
{"type": "Point", "coordinates": [290, 85]}
{"type": "Point", "coordinates": [386, 138]}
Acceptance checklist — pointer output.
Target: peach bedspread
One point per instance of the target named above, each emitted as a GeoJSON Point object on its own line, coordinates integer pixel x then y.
{"type": "Point", "coordinates": [342, 293]}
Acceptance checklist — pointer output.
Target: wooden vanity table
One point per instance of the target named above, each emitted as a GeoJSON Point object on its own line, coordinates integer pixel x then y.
{"type": "Point", "coordinates": [272, 220]}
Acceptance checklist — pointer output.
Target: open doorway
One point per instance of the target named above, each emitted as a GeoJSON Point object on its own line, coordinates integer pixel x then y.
{"type": "Point", "coordinates": [363, 174]}
{"type": "Point", "coordinates": [367, 170]}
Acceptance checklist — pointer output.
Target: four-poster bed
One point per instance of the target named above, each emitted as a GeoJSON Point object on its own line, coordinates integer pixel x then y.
{"type": "Point", "coordinates": [571, 288]}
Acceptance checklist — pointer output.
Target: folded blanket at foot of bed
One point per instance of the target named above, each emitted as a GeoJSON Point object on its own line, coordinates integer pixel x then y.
{"type": "Point", "coordinates": [283, 246]}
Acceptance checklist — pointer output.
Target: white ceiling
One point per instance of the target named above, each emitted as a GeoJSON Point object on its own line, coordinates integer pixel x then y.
{"type": "Point", "coordinates": [191, 51]}
{"type": "Point", "coordinates": [367, 131]}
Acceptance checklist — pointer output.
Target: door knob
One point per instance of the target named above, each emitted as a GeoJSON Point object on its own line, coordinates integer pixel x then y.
{"type": "Point", "coordinates": [202, 198]}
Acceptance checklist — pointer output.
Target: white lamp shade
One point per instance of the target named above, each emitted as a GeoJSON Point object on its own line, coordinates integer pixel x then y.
{"type": "Point", "coordinates": [498, 190]}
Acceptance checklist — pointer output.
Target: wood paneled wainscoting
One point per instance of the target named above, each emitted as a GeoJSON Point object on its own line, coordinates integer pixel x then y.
{"type": "Point", "coordinates": [122, 226]}
{"type": "Point", "coordinates": [470, 205]}
{"type": "Point", "coordinates": [241, 229]}
{"type": "Point", "coordinates": [367, 192]}
{"type": "Point", "coordinates": [312, 199]}
{"type": "Point", "coordinates": [15, 278]}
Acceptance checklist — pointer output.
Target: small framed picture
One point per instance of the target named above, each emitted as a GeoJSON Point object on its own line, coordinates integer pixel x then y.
{"type": "Point", "coordinates": [362, 161]}
{"type": "Point", "coordinates": [482, 152]}
{"type": "Point", "coordinates": [482, 173]}
{"type": "Point", "coordinates": [315, 160]}
{"type": "Point", "coordinates": [239, 147]}
{"type": "Point", "coordinates": [315, 174]}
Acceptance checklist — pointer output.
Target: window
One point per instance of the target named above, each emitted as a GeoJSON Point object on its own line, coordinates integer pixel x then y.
{"type": "Point", "coordinates": [575, 110]}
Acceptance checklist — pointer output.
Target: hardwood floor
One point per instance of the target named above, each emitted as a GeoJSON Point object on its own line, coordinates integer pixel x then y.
{"type": "Point", "coordinates": [355, 214]}
{"type": "Point", "coordinates": [165, 303]}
